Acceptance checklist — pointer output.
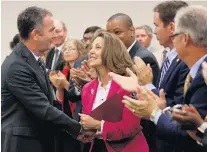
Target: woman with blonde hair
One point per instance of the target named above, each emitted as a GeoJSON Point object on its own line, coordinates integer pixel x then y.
{"type": "Point", "coordinates": [108, 54]}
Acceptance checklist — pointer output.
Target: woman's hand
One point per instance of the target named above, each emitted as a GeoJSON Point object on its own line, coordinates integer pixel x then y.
{"type": "Point", "coordinates": [89, 123]}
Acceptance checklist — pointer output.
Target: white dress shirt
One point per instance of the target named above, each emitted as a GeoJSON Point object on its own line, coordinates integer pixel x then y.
{"type": "Point", "coordinates": [101, 96]}
{"type": "Point", "coordinates": [131, 45]}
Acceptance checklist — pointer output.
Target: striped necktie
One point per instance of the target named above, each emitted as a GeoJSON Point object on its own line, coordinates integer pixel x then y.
{"type": "Point", "coordinates": [187, 82]}
{"type": "Point", "coordinates": [165, 67]}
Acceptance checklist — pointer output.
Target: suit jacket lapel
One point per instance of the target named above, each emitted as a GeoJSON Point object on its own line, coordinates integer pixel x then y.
{"type": "Point", "coordinates": [113, 89]}
{"type": "Point", "coordinates": [170, 70]}
{"type": "Point", "coordinates": [30, 59]}
{"type": "Point", "coordinates": [50, 58]}
{"type": "Point", "coordinates": [134, 49]}
{"type": "Point", "coordinates": [92, 94]}
{"type": "Point", "coordinates": [197, 81]}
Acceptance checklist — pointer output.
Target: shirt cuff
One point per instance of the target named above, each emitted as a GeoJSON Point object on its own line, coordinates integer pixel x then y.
{"type": "Point", "coordinates": [99, 132]}
{"type": "Point", "coordinates": [157, 116]}
{"type": "Point", "coordinates": [203, 126]}
{"type": "Point", "coordinates": [77, 91]}
{"type": "Point", "coordinates": [150, 86]}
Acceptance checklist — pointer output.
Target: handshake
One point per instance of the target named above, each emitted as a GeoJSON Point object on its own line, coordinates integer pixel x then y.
{"type": "Point", "coordinates": [90, 128]}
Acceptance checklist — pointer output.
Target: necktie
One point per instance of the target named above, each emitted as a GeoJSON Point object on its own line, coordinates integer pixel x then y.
{"type": "Point", "coordinates": [164, 55]}
{"type": "Point", "coordinates": [41, 64]}
{"type": "Point", "coordinates": [55, 59]}
{"type": "Point", "coordinates": [187, 82]}
{"type": "Point", "coordinates": [165, 67]}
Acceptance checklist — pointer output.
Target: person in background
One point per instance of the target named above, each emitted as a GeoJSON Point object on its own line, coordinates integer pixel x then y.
{"type": "Point", "coordinates": [72, 50]}
{"type": "Point", "coordinates": [88, 34]}
{"type": "Point", "coordinates": [121, 25]}
{"type": "Point", "coordinates": [54, 56]}
{"type": "Point", "coordinates": [15, 41]}
{"type": "Point", "coordinates": [144, 35]}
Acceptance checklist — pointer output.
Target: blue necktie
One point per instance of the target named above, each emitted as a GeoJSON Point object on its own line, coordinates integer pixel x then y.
{"type": "Point", "coordinates": [165, 67]}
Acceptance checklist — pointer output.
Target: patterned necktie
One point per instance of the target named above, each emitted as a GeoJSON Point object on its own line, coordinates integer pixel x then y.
{"type": "Point", "coordinates": [41, 64]}
{"type": "Point", "coordinates": [164, 55]}
{"type": "Point", "coordinates": [165, 67]}
{"type": "Point", "coordinates": [187, 82]}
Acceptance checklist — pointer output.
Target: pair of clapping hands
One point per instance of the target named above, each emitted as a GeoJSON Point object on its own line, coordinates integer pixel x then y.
{"type": "Point", "coordinates": [80, 76]}
{"type": "Point", "coordinates": [83, 75]}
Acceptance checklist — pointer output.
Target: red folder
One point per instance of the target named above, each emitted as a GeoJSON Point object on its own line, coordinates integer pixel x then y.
{"type": "Point", "coordinates": [111, 110]}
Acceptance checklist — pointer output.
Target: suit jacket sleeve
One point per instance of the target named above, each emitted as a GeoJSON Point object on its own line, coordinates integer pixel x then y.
{"type": "Point", "coordinates": [71, 95]}
{"type": "Point", "coordinates": [128, 127]}
{"type": "Point", "coordinates": [21, 81]}
{"type": "Point", "coordinates": [204, 141]}
{"type": "Point", "coordinates": [169, 131]}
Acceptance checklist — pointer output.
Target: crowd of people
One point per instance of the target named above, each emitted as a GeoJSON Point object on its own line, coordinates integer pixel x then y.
{"type": "Point", "coordinates": [111, 91]}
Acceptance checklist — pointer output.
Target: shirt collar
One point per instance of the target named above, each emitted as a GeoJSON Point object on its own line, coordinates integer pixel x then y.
{"type": "Point", "coordinates": [131, 45]}
{"type": "Point", "coordinates": [149, 48]}
{"type": "Point", "coordinates": [195, 67]}
{"type": "Point", "coordinates": [171, 54]}
{"type": "Point", "coordinates": [107, 86]}
{"type": "Point", "coordinates": [35, 56]}
{"type": "Point", "coordinates": [60, 47]}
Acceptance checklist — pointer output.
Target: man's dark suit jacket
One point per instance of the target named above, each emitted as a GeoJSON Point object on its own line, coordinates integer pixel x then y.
{"type": "Point", "coordinates": [49, 59]}
{"type": "Point", "coordinates": [173, 85]}
{"type": "Point", "coordinates": [167, 130]}
{"type": "Point", "coordinates": [204, 141]}
{"type": "Point", "coordinates": [28, 119]}
{"type": "Point", "coordinates": [147, 57]}
{"type": "Point", "coordinates": [173, 82]}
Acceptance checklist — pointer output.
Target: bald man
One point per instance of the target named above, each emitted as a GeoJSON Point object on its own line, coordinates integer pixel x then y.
{"type": "Point", "coordinates": [121, 25]}
{"type": "Point", "coordinates": [54, 56]}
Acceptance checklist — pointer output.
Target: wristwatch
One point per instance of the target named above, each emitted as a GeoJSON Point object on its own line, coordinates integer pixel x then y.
{"type": "Point", "coordinates": [201, 129]}
{"type": "Point", "coordinates": [153, 114]}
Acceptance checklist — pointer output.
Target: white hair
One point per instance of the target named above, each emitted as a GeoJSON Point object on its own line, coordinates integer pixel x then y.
{"type": "Point", "coordinates": [193, 20]}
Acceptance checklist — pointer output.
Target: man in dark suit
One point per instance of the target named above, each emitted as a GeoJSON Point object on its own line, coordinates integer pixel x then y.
{"type": "Point", "coordinates": [29, 119]}
{"type": "Point", "coordinates": [192, 49]}
{"type": "Point", "coordinates": [173, 71]}
{"type": "Point", "coordinates": [54, 56]}
{"type": "Point", "coordinates": [122, 26]}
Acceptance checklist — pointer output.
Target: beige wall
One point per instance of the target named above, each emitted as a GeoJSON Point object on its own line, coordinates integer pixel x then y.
{"type": "Point", "coordinates": [77, 16]}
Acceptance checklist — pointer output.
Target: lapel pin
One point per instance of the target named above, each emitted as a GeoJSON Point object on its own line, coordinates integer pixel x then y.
{"type": "Point", "coordinates": [178, 60]}
{"type": "Point", "coordinates": [92, 91]}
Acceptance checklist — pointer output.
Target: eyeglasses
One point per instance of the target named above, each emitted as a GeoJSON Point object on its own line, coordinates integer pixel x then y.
{"type": "Point", "coordinates": [176, 34]}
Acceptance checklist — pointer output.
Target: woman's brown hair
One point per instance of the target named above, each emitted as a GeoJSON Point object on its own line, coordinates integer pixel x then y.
{"type": "Point", "coordinates": [114, 55]}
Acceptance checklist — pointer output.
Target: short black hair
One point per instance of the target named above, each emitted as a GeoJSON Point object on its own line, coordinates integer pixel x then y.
{"type": "Point", "coordinates": [15, 41]}
{"type": "Point", "coordinates": [29, 19]}
{"type": "Point", "coordinates": [168, 9]}
{"type": "Point", "coordinates": [121, 16]}
{"type": "Point", "coordinates": [91, 29]}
